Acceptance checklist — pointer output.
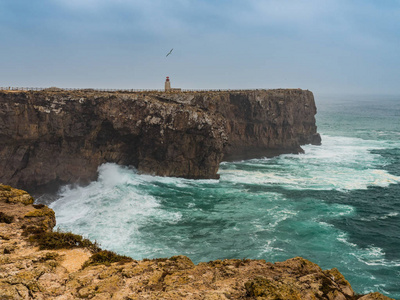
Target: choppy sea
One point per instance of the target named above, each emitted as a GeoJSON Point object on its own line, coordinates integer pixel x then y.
{"type": "Point", "coordinates": [337, 204]}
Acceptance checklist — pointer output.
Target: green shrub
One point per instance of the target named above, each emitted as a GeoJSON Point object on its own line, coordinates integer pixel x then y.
{"type": "Point", "coordinates": [106, 257]}
{"type": "Point", "coordinates": [62, 240]}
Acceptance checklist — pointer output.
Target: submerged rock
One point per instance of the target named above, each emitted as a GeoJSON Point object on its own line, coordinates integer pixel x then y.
{"type": "Point", "coordinates": [26, 272]}
{"type": "Point", "coordinates": [51, 137]}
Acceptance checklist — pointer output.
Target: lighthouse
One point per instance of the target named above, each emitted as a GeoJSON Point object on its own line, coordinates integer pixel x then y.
{"type": "Point", "coordinates": [167, 84]}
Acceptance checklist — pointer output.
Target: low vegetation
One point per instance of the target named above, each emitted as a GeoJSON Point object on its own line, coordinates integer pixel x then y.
{"type": "Point", "coordinates": [66, 240]}
{"type": "Point", "coordinates": [62, 240]}
{"type": "Point", "coordinates": [105, 257]}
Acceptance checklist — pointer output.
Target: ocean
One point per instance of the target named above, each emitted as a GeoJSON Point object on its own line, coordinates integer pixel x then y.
{"type": "Point", "coordinates": [337, 204]}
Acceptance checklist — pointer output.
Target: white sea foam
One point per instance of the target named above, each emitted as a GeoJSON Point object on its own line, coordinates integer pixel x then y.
{"type": "Point", "coordinates": [343, 237]}
{"type": "Point", "coordinates": [324, 224]}
{"type": "Point", "coordinates": [268, 248]}
{"type": "Point", "coordinates": [379, 217]}
{"type": "Point", "coordinates": [340, 163]}
{"type": "Point", "coordinates": [111, 209]}
{"type": "Point", "coordinates": [278, 215]}
{"type": "Point", "coordinates": [375, 256]}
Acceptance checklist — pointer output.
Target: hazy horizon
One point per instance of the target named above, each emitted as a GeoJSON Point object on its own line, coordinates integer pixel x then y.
{"type": "Point", "coordinates": [330, 47]}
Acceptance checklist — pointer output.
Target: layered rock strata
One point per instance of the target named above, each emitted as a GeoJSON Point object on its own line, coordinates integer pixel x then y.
{"type": "Point", "coordinates": [29, 273]}
{"type": "Point", "coordinates": [52, 138]}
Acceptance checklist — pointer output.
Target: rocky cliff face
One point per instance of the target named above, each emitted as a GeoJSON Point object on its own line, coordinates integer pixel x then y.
{"type": "Point", "coordinates": [52, 138]}
{"type": "Point", "coordinates": [70, 270]}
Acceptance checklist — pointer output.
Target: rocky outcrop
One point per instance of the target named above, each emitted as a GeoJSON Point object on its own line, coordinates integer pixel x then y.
{"type": "Point", "coordinates": [50, 138]}
{"type": "Point", "coordinates": [29, 271]}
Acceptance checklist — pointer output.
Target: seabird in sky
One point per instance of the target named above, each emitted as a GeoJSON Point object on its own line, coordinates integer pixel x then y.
{"type": "Point", "coordinates": [169, 52]}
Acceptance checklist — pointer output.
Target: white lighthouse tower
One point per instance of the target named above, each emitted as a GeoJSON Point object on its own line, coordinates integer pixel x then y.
{"type": "Point", "coordinates": [167, 84]}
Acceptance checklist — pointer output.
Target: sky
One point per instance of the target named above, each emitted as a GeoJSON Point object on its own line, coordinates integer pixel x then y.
{"type": "Point", "coordinates": [326, 46]}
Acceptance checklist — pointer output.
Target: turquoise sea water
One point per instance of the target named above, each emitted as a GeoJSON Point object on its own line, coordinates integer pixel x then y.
{"type": "Point", "coordinates": [337, 205]}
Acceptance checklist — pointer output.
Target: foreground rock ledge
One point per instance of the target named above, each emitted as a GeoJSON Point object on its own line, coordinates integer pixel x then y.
{"type": "Point", "coordinates": [29, 273]}
{"type": "Point", "coordinates": [53, 138]}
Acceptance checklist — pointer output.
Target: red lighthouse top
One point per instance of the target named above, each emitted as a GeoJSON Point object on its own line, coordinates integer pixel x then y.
{"type": "Point", "coordinates": [167, 78]}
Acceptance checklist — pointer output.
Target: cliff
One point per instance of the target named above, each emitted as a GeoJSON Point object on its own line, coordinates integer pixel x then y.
{"type": "Point", "coordinates": [37, 263]}
{"type": "Point", "coordinates": [50, 138]}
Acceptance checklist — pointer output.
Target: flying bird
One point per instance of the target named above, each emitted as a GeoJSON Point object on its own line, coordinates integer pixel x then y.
{"type": "Point", "coordinates": [169, 52]}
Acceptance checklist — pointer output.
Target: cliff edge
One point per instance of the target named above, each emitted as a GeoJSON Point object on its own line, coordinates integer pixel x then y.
{"type": "Point", "coordinates": [50, 138]}
{"type": "Point", "coordinates": [38, 263]}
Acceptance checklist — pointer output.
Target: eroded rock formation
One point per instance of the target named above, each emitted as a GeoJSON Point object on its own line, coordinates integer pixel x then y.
{"type": "Point", "coordinates": [50, 138]}
{"type": "Point", "coordinates": [26, 272]}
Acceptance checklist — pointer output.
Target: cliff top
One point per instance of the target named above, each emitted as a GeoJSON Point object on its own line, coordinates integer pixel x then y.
{"type": "Point", "coordinates": [66, 266]}
{"type": "Point", "coordinates": [136, 91]}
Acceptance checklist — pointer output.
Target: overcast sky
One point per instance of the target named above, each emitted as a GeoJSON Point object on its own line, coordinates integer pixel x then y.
{"type": "Point", "coordinates": [326, 46]}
